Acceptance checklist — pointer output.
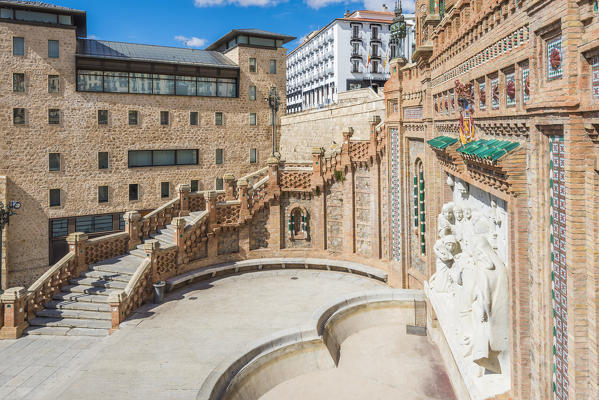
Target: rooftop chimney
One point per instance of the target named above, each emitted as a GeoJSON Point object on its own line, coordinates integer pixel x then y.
{"type": "Point", "coordinates": [346, 15]}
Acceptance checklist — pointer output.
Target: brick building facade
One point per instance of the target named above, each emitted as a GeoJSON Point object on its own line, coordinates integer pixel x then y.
{"type": "Point", "coordinates": [75, 110]}
{"type": "Point", "coordinates": [517, 80]}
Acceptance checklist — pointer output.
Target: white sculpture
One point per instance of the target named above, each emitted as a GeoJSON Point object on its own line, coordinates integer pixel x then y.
{"type": "Point", "coordinates": [463, 189]}
{"type": "Point", "coordinates": [445, 248]}
{"type": "Point", "coordinates": [446, 220]}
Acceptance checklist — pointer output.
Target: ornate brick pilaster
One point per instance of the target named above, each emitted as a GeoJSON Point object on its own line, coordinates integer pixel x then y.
{"type": "Point", "coordinates": [13, 304]}
{"type": "Point", "coordinates": [77, 243]}
{"type": "Point", "coordinates": [242, 187]}
{"type": "Point", "coordinates": [179, 224]}
{"type": "Point", "coordinates": [211, 208]}
{"type": "Point", "coordinates": [229, 180]}
{"type": "Point", "coordinates": [183, 190]}
{"type": "Point", "coordinates": [132, 228]}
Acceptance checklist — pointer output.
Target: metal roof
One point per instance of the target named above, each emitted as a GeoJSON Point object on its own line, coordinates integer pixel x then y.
{"type": "Point", "coordinates": [441, 142]}
{"type": "Point", "coordinates": [488, 149]}
{"type": "Point", "coordinates": [252, 32]}
{"type": "Point", "coordinates": [145, 52]}
{"type": "Point", "coordinates": [38, 5]}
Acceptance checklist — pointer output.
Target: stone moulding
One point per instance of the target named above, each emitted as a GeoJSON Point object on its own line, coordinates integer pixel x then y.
{"type": "Point", "coordinates": [244, 375]}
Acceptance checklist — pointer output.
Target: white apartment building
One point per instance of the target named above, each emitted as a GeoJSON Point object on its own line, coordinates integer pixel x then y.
{"type": "Point", "coordinates": [349, 53]}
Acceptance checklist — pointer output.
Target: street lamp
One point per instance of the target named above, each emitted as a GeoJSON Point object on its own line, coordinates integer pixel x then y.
{"type": "Point", "coordinates": [274, 101]}
{"type": "Point", "coordinates": [5, 214]}
{"type": "Point", "coordinates": [398, 31]}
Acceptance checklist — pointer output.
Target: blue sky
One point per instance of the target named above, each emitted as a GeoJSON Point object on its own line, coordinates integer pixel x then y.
{"type": "Point", "coordinates": [197, 23]}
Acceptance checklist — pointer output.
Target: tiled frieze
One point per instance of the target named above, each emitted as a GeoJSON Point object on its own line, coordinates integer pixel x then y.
{"type": "Point", "coordinates": [395, 195]}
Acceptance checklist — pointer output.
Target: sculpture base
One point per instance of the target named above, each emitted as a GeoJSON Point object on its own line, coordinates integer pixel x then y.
{"type": "Point", "coordinates": [478, 382]}
{"type": "Point", "coordinates": [13, 332]}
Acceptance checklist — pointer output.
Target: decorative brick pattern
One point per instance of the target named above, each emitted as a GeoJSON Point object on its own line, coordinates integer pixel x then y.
{"type": "Point", "coordinates": [362, 211]}
{"type": "Point", "coordinates": [228, 242]}
{"type": "Point", "coordinates": [295, 180]}
{"type": "Point", "coordinates": [558, 268]}
{"type": "Point", "coordinates": [335, 217]}
{"type": "Point", "coordinates": [412, 113]}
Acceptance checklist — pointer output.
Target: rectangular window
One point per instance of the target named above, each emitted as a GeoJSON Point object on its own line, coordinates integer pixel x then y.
{"type": "Point", "coordinates": [54, 116]}
{"type": "Point", "coordinates": [102, 194]}
{"type": "Point", "coordinates": [355, 31]}
{"type": "Point", "coordinates": [163, 117]}
{"type": "Point", "coordinates": [193, 118]}
{"type": "Point", "coordinates": [219, 156]}
{"type": "Point", "coordinates": [219, 184]}
{"type": "Point", "coordinates": [252, 118]}
{"type": "Point", "coordinates": [133, 191]}
{"type": "Point", "coordinates": [6, 13]}
{"type": "Point", "coordinates": [116, 82]}
{"type": "Point", "coordinates": [186, 86]}
{"type": "Point", "coordinates": [53, 49]}
{"type": "Point", "coordinates": [133, 117]}
{"type": "Point", "coordinates": [53, 83]}
{"type": "Point", "coordinates": [252, 92]}
{"type": "Point", "coordinates": [375, 50]}
{"type": "Point", "coordinates": [18, 82]}
{"type": "Point", "coordinates": [54, 161]}
{"type": "Point", "coordinates": [164, 190]}
{"type": "Point", "coordinates": [355, 66]}
{"type": "Point", "coordinates": [273, 66]}
{"type": "Point", "coordinates": [138, 82]}
{"type": "Point", "coordinates": [60, 227]}
{"type": "Point", "coordinates": [18, 116]}
{"type": "Point", "coordinates": [207, 87]}
{"type": "Point", "coordinates": [226, 87]}
{"type": "Point", "coordinates": [18, 46]}
{"type": "Point", "coordinates": [121, 222]}
{"type": "Point", "coordinates": [103, 160]}
{"type": "Point", "coordinates": [218, 118]}
{"type": "Point", "coordinates": [91, 224]}
{"type": "Point", "coordinates": [102, 117]}
{"type": "Point", "coordinates": [149, 158]}
{"type": "Point", "coordinates": [375, 66]}
{"type": "Point", "coordinates": [90, 81]}
{"type": "Point", "coordinates": [253, 65]}
{"type": "Point", "coordinates": [54, 197]}
{"type": "Point", "coordinates": [163, 84]}
{"type": "Point", "coordinates": [253, 156]}
{"type": "Point", "coordinates": [194, 185]}
{"type": "Point", "coordinates": [375, 32]}
{"type": "Point", "coordinates": [525, 84]}
{"type": "Point", "coordinates": [510, 89]}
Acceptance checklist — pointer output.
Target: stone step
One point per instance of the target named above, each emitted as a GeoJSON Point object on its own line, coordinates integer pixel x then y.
{"type": "Point", "coordinates": [138, 253]}
{"type": "Point", "coordinates": [99, 283]}
{"type": "Point", "coordinates": [80, 298]}
{"type": "Point", "coordinates": [76, 289]}
{"type": "Point", "coordinates": [125, 265]}
{"type": "Point", "coordinates": [73, 314]}
{"type": "Point", "coordinates": [71, 323]}
{"type": "Point", "coordinates": [64, 331]}
{"type": "Point", "coordinates": [107, 276]}
{"type": "Point", "coordinates": [78, 305]}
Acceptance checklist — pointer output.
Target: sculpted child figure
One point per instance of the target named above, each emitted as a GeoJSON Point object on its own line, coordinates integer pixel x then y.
{"type": "Point", "coordinates": [446, 220]}
{"type": "Point", "coordinates": [446, 248]}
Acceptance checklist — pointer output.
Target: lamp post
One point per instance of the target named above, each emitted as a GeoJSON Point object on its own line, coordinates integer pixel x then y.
{"type": "Point", "coordinates": [274, 101]}
{"type": "Point", "coordinates": [5, 214]}
{"type": "Point", "coordinates": [398, 31]}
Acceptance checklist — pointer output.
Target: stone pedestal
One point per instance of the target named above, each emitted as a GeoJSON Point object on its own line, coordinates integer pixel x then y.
{"type": "Point", "coordinates": [131, 219]}
{"type": "Point", "coordinates": [13, 304]}
{"type": "Point", "coordinates": [77, 242]}
{"type": "Point", "coordinates": [183, 190]}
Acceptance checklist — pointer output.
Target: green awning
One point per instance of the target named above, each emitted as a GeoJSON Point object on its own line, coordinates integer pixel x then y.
{"type": "Point", "coordinates": [441, 142]}
{"type": "Point", "coordinates": [488, 149]}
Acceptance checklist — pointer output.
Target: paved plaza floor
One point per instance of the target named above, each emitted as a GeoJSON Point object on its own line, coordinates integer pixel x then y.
{"type": "Point", "coordinates": [166, 351]}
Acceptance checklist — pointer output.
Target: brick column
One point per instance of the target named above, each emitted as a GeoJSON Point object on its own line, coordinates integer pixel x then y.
{"type": "Point", "coordinates": [77, 243]}
{"type": "Point", "coordinates": [318, 216]}
{"type": "Point", "coordinates": [211, 208]}
{"type": "Point", "coordinates": [229, 181]}
{"type": "Point", "coordinates": [183, 190]}
{"type": "Point", "coordinates": [349, 224]}
{"type": "Point", "coordinates": [117, 312]}
{"type": "Point", "coordinates": [242, 187]}
{"type": "Point", "coordinates": [244, 239]}
{"type": "Point", "coordinates": [13, 303]}
{"type": "Point", "coordinates": [151, 247]}
{"type": "Point", "coordinates": [179, 224]}
{"type": "Point", "coordinates": [273, 224]}
{"type": "Point", "coordinates": [132, 227]}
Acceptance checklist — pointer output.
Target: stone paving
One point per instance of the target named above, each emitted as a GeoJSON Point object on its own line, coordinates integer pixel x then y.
{"type": "Point", "coordinates": [166, 351]}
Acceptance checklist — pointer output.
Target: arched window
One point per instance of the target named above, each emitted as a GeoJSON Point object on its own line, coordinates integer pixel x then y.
{"type": "Point", "coordinates": [419, 206]}
{"type": "Point", "coordinates": [298, 223]}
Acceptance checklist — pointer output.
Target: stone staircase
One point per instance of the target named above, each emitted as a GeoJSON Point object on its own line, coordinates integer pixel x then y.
{"type": "Point", "coordinates": [81, 308]}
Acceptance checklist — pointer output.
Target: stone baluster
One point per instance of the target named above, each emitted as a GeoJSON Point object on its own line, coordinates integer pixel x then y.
{"type": "Point", "coordinates": [132, 227]}
{"type": "Point", "coordinates": [229, 180]}
{"type": "Point", "coordinates": [77, 244]}
{"type": "Point", "coordinates": [373, 138]}
{"type": "Point", "coordinates": [273, 176]}
{"type": "Point", "coordinates": [13, 304]}
{"type": "Point", "coordinates": [211, 208]}
{"type": "Point", "coordinates": [179, 224]}
{"type": "Point", "coordinates": [117, 299]}
{"type": "Point", "coordinates": [151, 248]}
{"type": "Point", "coordinates": [345, 148]}
{"type": "Point", "coordinates": [242, 186]}
{"type": "Point", "coordinates": [183, 189]}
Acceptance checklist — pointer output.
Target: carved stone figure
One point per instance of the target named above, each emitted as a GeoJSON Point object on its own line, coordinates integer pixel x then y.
{"type": "Point", "coordinates": [446, 220]}
{"type": "Point", "coordinates": [445, 248]}
{"type": "Point", "coordinates": [463, 189]}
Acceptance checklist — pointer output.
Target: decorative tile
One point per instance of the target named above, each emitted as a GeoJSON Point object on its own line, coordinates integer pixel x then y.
{"type": "Point", "coordinates": [595, 67]}
{"type": "Point", "coordinates": [482, 95]}
{"type": "Point", "coordinates": [554, 58]}
{"type": "Point", "coordinates": [495, 93]}
{"type": "Point", "coordinates": [510, 89]}
{"type": "Point", "coordinates": [525, 84]}
{"type": "Point", "coordinates": [395, 195]}
{"type": "Point", "coordinates": [558, 268]}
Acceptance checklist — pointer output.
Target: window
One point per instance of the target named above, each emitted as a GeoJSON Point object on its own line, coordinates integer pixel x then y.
{"type": "Point", "coordinates": [375, 32]}
{"type": "Point", "coordinates": [60, 227]}
{"type": "Point", "coordinates": [355, 66]}
{"type": "Point", "coordinates": [419, 208]}
{"type": "Point", "coordinates": [252, 118]}
{"type": "Point", "coordinates": [253, 65]}
{"type": "Point", "coordinates": [91, 224]}
{"type": "Point", "coordinates": [375, 50]}
{"type": "Point", "coordinates": [226, 87]}
{"type": "Point", "coordinates": [253, 156]}
{"type": "Point", "coordinates": [53, 83]}
{"type": "Point", "coordinates": [54, 116]}
{"type": "Point", "coordinates": [194, 185]}
{"type": "Point", "coordinates": [219, 156]}
{"type": "Point", "coordinates": [219, 184]}
{"type": "Point", "coordinates": [53, 49]}
{"type": "Point", "coordinates": [18, 82]}
{"type": "Point", "coordinates": [18, 46]}
{"type": "Point", "coordinates": [273, 66]}
{"type": "Point", "coordinates": [355, 49]}
{"type": "Point", "coordinates": [18, 116]}
{"type": "Point", "coordinates": [102, 194]}
{"type": "Point", "coordinates": [193, 118]}
{"type": "Point", "coordinates": [163, 117]}
{"type": "Point", "coordinates": [218, 118]}
{"type": "Point", "coordinates": [116, 82]}
{"type": "Point", "coordinates": [165, 189]}
{"type": "Point", "coordinates": [54, 197]}
{"type": "Point", "coordinates": [252, 92]}
{"type": "Point", "coordinates": [155, 158]}
{"type": "Point", "coordinates": [355, 31]}
{"type": "Point", "coordinates": [133, 117]}
{"type": "Point", "coordinates": [121, 221]}
{"type": "Point", "coordinates": [103, 160]}
{"type": "Point", "coordinates": [102, 117]}
{"type": "Point", "coordinates": [54, 161]}
{"type": "Point", "coordinates": [133, 191]}
{"type": "Point", "coordinates": [375, 66]}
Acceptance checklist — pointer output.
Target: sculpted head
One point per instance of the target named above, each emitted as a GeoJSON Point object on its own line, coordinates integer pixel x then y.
{"type": "Point", "coordinates": [467, 213]}
{"type": "Point", "coordinates": [452, 244]}
{"type": "Point", "coordinates": [447, 212]}
{"type": "Point", "coordinates": [458, 212]}
{"type": "Point", "coordinates": [463, 189]}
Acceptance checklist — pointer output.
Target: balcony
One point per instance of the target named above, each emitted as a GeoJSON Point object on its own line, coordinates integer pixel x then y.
{"type": "Point", "coordinates": [376, 38]}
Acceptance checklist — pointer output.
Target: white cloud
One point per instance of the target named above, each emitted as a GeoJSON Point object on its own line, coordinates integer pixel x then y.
{"type": "Point", "coordinates": [191, 41]}
{"type": "Point", "coordinates": [242, 3]}
{"type": "Point", "coordinates": [316, 4]}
